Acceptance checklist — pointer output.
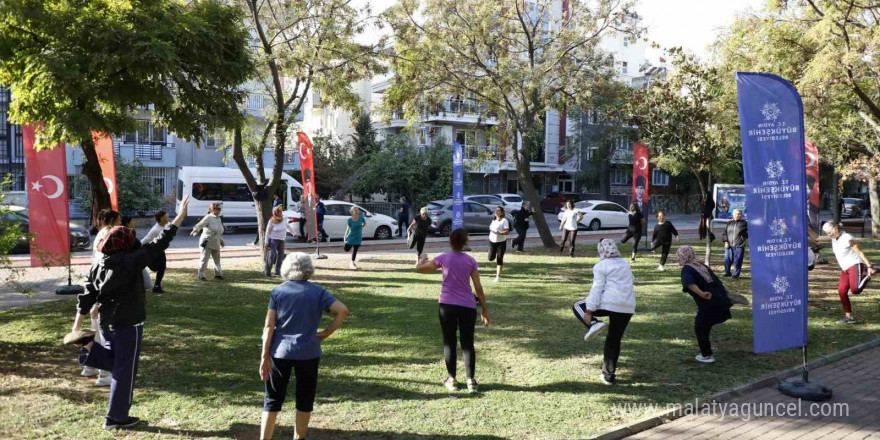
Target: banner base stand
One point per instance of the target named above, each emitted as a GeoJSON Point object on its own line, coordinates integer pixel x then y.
{"type": "Point", "coordinates": [319, 256]}
{"type": "Point", "coordinates": [804, 390]}
{"type": "Point", "coordinates": [69, 290]}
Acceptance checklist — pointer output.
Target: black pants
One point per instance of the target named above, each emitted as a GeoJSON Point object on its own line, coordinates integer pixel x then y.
{"type": "Point", "coordinates": [302, 229]}
{"type": "Point", "coordinates": [572, 235]}
{"type": "Point", "coordinates": [306, 384]}
{"type": "Point", "coordinates": [496, 252]}
{"type": "Point", "coordinates": [664, 252]}
{"type": "Point", "coordinates": [402, 225]}
{"type": "Point", "coordinates": [702, 327]}
{"type": "Point", "coordinates": [636, 236]}
{"type": "Point", "coordinates": [616, 328]}
{"type": "Point", "coordinates": [418, 243]}
{"type": "Point", "coordinates": [462, 319]}
{"type": "Point", "coordinates": [520, 239]}
{"type": "Point", "coordinates": [352, 247]}
{"type": "Point", "coordinates": [120, 356]}
{"type": "Point", "coordinates": [159, 265]}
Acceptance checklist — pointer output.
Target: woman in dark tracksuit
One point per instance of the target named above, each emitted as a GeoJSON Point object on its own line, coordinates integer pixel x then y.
{"type": "Point", "coordinates": [634, 230]}
{"type": "Point", "coordinates": [521, 225]}
{"type": "Point", "coordinates": [420, 227]}
{"type": "Point", "coordinates": [713, 302]}
{"type": "Point", "coordinates": [662, 238]}
{"type": "Point", "coordinates": [115, 291]}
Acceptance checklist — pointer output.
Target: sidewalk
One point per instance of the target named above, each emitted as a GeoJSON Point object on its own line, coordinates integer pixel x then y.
{"type": "Point", "coordinates": [856, 402]}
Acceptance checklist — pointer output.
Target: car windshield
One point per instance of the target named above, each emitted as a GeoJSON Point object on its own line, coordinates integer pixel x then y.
{"type": "Point", "coordinates": [582, 205]}
{"type": "Point", "coordinates": [513, 199]}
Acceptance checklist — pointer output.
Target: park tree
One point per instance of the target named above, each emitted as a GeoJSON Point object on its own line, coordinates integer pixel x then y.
{"type": "Point", "coordinates": [76, 67]}
{"type": "Point", "coordinates": [301, 47]}
{"type": "Point", "coordinates": [136, 197]}
{"type": "Point", "coordinates": [517, 58]}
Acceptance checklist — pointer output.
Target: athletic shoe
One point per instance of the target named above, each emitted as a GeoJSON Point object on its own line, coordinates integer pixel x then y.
{"type": "Point", "coordinates": [661, 268]}
{"type": "Point", "coordinates": [603, 380]}
{"type": "Point", "coordinates": [89, 372]}
{"type": "Point", "coordinates": [705, 359]}
{"type": "Point", "coordinates": [727, 275]}
{"type": "Point", "coordinates": [158, 289]}
{"type": "Point", "coordinates": [218, 277]}
{"type": "Point", "coordinates": [866, 276]}
{"type": "Point", "coordinates": [596, 327]}
{"type": "Point", "coordinates": [451, 385]}
{"type": "Point", "coordinates": [847, 320]}
{"type": "Point", "coordinates": [125, 424]}
{"type": "Point", "coordinates": [497, 279]}
{"type": "Point", "coordinates": [79, 337]}
{"type": "Point", "coordinates": [103, 379]}
{"type": "Point", "coordinates": [203, 279]}
{"type": "Point", "coordinates": [738, 299]}
{"type": "Point", "coordinates": [472, 386]}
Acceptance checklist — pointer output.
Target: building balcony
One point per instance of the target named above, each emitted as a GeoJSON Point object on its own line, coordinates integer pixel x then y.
{"type": "Point", "coordinates": [397, 121]}
{"type": "Point", "coordinates": [488, 152]}
{"type": "Point", "coordinates": [459, 111]}
{"type": "Point", "coordinates": [144, 151]}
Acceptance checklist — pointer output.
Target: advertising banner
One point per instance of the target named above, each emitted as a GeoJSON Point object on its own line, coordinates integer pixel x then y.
{"type": "Point", "coordinates": [729, 198]}
{"type": "Point", "coordinates": [457, 186]}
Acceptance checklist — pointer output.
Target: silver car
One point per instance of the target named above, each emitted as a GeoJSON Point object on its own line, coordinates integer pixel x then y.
{"type": "Point", "coordinates": [477, 217]}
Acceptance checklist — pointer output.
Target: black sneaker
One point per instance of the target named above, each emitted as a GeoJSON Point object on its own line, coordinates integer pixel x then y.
{"type": "Point", "coordinates": [863, 282]}
{"type": "Point", "coordinates": [158, 289]}
{"type": "Point", "coordinates": [125, 424]}
{"type": "Point", "coordinates": [218, 277]}
{"type": "Point", "coordinates": [847, 320]}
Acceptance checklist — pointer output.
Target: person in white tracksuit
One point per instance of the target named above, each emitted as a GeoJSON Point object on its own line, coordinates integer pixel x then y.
{"type": "Point", "coordinates": [211, 241]}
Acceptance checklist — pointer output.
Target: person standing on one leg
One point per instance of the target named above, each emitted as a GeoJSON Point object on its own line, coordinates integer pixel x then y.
{"type": "Point", "coordinates": [276, 235]}
{"type": "Point", "coordinates": [420, 227]}
{"type": "Point", "coordinates": [160, 263]}
{"type": "Point", "coordinates": [571, 217]}
{"type": "Point", "coordinates": [662, 238]}
{"type": "Point", "coordinates": [211, 240]}
{"type": "Point", "coordinates": [354, 235]}
{"type": "Point", "coordinates": [292, 342]}
{"type": "Point", "coordinates": [115, 292]}
{"type": "Point", "coordinates": [498, 230]}
{"type": "Point", "coordinates": [735, 234]}
{"type": "Point", "coordinates": [855, 269]}
{"type": "Point", "coordinates": [107, 219]}
{"type": "Point", "coordinates": [713, 303]}
{"type": "Point", "coordinates": [612, 295]}
{"type": "Point", "coordinates": [634, 229]}
{"type": "Point", "coordinates": [521, 225]}
{"type": "Point", "coordinates": [458, 308]}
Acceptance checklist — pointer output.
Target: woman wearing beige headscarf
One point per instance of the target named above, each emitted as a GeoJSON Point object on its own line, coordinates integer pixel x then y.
{"type": "Point", "coordinates": [611, 295]}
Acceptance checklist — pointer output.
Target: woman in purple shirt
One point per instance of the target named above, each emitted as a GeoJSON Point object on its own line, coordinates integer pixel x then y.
{"type": "Point", "coordinates": [458, 306]}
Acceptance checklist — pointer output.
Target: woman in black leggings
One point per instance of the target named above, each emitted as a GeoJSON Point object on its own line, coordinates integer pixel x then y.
{"type": "Point", "coordinates": [419, 227]}
{"type": "Point", "coordinates": [458, 308]}
{"type": "Point", "coordinates": [662, 238]}
{"type": "Point", "coordinates": [634, 230]}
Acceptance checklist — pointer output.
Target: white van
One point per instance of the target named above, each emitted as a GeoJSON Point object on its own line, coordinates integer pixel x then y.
{"type": "Point", "coordinates": [206, 185]}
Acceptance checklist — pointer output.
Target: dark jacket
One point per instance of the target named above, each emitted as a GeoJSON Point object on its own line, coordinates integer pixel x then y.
{"type": "Point", "coordinates": [736, 232]}
{"type": "Point", "coordinates": [635, 221]}
{"type": "Point", "coordinates": [663, 233]}
{"type": "Point", "coordinates": [521, 218]}
{"type": "Point", "coordinates": [707, 207]}
{"type": "Point", "coordinates": [117, 283]}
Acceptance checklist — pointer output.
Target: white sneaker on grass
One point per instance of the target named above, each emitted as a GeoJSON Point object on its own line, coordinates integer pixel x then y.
{"type": "Point", "coordinates": [451, 385]}
{"type": "Point", "coordinates": [661, 268]}
{"type": "Point", "coordinates": [705, 359]}
{"type": "Point", "coordinates": [596, 327]}
{"type": "Point", "coordinates": [603, 380]}
{"type": "Point", "coordinates": [497, 279]}
{"type": "Point", "coordinates": [89, 372]}
{"type": "Point", "coordinates": [472, 386]}
{"type": "Point", "coordinates": [103, 379]}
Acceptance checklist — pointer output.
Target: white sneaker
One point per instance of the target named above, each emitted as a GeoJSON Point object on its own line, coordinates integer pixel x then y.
{"type": "Point", "coordinates": [103, 379]}
{"type": "Point", "coordinates": [706, 360]}
{"type": "Point", "coordinates": [596, 327]}
{"type": "Point", "coordinates": [451, 385]}
{"type": "Point", "coordinates": [472, 386]}
{"type": "Point", "coordinates": [603, 380]}
{"type": "Point", "coordinates": [89, 372]}
{"type": "Point", "coordinates": [661, 268]}
{"type": "Point", "coordinates": [497, 279]}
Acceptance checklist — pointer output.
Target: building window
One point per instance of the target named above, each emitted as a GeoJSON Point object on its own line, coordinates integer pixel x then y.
{"type": "Point", "coordinates": [625, 41]}
{"type": "Point", "coordinates": [624, 68]}
{"type": "Point", "coordinates": [566, 185]}
{"type": "Point", "coordinates": [659, 178]}
{"type": "Point", "coordinates": [146, 133]}
{"type": "Point", "coordinates": [468, 141]}
{"type": "Point", "coordinates": [620, 177]}
{"type": "Point", "coordinates": [424, 137]}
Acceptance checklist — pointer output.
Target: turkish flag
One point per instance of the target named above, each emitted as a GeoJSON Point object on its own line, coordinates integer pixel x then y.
{"type": "Point", "coordinates": [48, 213]}
{"type": "Point", "coordinates": [811, 155]}
{"type": "Point", "coordinates": [107, 160]}
{"type": "Point", "coordinates": [307, 168]}
{"type": "Point", "coordinates": [641, 178]}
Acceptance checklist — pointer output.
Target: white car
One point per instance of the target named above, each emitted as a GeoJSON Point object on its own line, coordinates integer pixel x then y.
{"type": "Point", "coordinates": [599, 214]}
{"type": "Point", "coordinates": [378, 226]}
{"type": "Point", "coordinates": [513, 202]}
{"type": "Point", "coordinates": [489, 201]}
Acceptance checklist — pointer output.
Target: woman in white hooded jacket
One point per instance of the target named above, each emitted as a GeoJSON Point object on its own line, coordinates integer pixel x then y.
{"type": "Point", "coordinates": [611, 295]}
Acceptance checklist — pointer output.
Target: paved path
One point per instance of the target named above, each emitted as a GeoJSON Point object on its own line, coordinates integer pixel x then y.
{"type": "Point", "coordinates": [856, 384]}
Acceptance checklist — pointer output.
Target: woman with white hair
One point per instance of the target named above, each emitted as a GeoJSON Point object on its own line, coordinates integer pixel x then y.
{"type": "Point", "coordinates": [211, 240]}
{"type": "Point", "coordinates": [855, 269]}
{"type": "Point", "coordinates": [611, 295]}
{"type": "Point", "coordinates": [419, 228]}
{"type": "Point", "coordinates": [292, 342]}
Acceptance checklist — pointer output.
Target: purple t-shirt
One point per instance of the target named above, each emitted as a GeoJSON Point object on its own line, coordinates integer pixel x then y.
{"type": "Point", "coordinates": [457, 268]}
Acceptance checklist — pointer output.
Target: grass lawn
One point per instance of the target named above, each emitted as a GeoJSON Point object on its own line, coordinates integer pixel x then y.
{"type": "Point", "coordinates": [381, 374]}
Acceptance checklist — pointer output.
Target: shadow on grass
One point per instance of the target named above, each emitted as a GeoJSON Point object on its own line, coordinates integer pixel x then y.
{"type": "Point", "coordinates": [244, 431]}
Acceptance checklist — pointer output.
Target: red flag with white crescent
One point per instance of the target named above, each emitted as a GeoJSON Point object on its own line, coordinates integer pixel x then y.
{"type": "Point", "coordinates": [811, 155]}
{"type": "Point", "coordinates": [307, 168]}
{"type": "Point", "coordinates": [107, 160]}
{"type": "Point", "coordinates": [641, 178]}
{"type": "Point", "coordinates": [48, 215]}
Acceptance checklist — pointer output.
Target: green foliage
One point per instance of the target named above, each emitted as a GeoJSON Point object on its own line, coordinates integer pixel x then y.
{"type": "Point", "coordinates": [364, 137]}
{"type": "Point", "coordinates": [83, 66]}
{"type": "Point", "coordinates": [334, 163]}
{"type": "Point", "coordinates": [9, 231]}
{"type": "Point", "coordinates": [136, 196]}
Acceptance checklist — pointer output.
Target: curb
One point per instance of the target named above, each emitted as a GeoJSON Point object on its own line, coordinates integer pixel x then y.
{"type": "Point", "coordinates": [645, 424]}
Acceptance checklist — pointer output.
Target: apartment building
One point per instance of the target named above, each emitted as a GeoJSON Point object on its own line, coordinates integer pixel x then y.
{"type": "Point", "coordinates": [11, 145]}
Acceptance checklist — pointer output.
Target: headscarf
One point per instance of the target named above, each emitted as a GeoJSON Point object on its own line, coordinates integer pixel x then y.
{"type": "Point", "coordinates": [118, 238]}
{"type": "Point", "coordinates": [687, 257]}
{"type": "Point", "coordinates": [608, 249]}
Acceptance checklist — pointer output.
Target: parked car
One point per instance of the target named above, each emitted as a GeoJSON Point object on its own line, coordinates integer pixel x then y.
{"type": "Point", "coordinates": [18, 215]}
{"type": "Point", "coordinates": [477, 217]}
{"type": "Point", "coordinates": [553, 202]}
{"type": "Point", "coordinates": [512, 202]}
{"type": "Point", "coordinates": [600, 214]}
{"type": "Point", "coordinates": [378, 226]}
{"type": "Point", "coordinates": [852, 207]}
{"type": "Point", "coordinates": [489, 200]}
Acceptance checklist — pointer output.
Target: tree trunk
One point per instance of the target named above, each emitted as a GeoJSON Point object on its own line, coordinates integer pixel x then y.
{"type": "Point", "coordinates": [262, 208]}
{"type": "Point", "coordinates": [835, 197]}
{"type": "Point", "coordinates": [875, 207]}
{"type": "Point", "coordinates": [708, 220]}
{"type": "Point", "coordinates": [91, 168]}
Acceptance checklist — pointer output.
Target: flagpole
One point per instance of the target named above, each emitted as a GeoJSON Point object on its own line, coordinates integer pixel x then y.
{"type": "Point", "coordinates": [69, 289]}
